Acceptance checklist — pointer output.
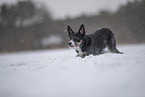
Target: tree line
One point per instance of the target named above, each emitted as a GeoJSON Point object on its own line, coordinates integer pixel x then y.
{"type": "Point", "coordinates": [24, 26]}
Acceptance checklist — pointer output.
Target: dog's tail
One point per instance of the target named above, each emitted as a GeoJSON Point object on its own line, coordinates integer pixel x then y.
{"type": "Point", "coordinates": [111, 44]}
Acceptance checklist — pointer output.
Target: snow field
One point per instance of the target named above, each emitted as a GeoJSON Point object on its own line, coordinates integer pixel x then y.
{"type": "Point", "coordinates": [58, 73]}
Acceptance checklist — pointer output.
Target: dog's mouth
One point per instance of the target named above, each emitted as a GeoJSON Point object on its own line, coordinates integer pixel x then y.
{"type": "Point", "coordinates": [70, 45]}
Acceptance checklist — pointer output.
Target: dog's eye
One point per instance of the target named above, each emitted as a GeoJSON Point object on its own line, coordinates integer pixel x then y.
{"type": "Point", "coordinates": [77, 39]}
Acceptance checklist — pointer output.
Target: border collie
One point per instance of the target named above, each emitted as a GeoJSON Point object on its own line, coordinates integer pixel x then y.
{"type": "Point", "coordinates": [95, 43]}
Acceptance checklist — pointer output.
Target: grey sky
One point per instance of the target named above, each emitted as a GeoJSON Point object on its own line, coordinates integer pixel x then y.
{"type": "Point", "coordinates": [73, 8]}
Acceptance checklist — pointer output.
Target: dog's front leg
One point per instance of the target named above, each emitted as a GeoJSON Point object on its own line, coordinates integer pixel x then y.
{"type": "Point", "coordinates": [82, 55]}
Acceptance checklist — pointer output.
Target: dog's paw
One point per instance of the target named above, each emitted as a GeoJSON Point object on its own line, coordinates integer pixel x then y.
{"type": "Point", "coordinates": [77, 55]}
{"type": "Point", "coordinates": [82, 56]}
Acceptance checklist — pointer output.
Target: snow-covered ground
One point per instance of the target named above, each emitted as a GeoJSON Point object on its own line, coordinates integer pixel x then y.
{"type": "Point", "coordinates": [58, 73]}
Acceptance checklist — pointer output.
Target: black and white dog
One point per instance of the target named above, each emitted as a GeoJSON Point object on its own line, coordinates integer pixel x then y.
{"type": "Point", "coordinates": [92, 43]}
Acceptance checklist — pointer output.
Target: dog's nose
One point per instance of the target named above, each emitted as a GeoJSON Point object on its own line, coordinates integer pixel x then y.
{"type": "Point", "coordinates": [69, 43]}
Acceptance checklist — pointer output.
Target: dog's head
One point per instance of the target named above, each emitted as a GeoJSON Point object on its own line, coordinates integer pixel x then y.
{"type": "Point", "coordinates": [76, 38]}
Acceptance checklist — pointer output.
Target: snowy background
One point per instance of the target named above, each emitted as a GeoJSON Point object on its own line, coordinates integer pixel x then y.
{"type": "Point", "coordinates": [73, 8]}
{"type": "Point", "coordinates": [58, 73]}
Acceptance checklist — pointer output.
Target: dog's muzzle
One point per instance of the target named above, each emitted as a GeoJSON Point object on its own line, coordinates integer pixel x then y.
{"type": "Point", "coordinates": [70, 44]}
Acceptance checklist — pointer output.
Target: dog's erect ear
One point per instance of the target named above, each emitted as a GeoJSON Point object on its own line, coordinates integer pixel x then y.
{"type": "Point", "coordinates": [70, 31]}
{"type": "Point", "coordinates": [82, 30]}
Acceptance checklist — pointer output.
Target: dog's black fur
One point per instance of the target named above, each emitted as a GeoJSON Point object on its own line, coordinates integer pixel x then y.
{"type": "Point", "coordinates": [92, 43]}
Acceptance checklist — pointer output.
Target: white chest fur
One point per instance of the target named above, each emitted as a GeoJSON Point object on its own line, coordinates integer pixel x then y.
{"type": "Point", "coordinates": [80, 53]}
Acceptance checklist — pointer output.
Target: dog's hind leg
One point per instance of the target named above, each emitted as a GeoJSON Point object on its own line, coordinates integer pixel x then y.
{"type": "Point", "coordinates": [111, 45]}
